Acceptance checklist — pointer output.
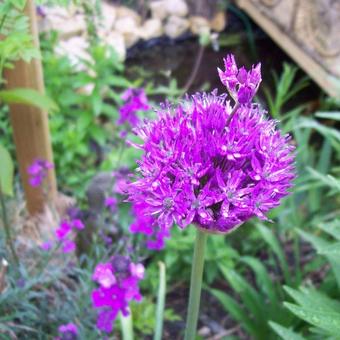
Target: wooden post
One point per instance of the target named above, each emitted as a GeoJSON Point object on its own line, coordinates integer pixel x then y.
{"type": "Point", "coordinates": [30, 124]}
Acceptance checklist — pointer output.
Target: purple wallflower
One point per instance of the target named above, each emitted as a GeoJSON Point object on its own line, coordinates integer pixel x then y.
{"type": "Point", "coordinates": [68, 332]}
{"type": "Point", "coordinates": [213, 162]}
{"type": "Point", "coordinates": [146, 224]}
{"type": "Point", "coordinates": [65, 232]}
{"type": "Point", "coordinates": [118, 284]}
{"type": "Point", "coordinates": [134, 100]}
{"type": "Point", "coordinates": [111, 203]}
{"type": "Point", "coordinates": [38, 171]}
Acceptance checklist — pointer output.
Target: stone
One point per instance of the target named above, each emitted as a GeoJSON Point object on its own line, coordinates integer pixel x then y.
{"type": "Point", "coordinates": [109, 13]}
{"type": "Point", "coordinates": [116, 40]}
{"type": "Point", "coordinates": [218, 22]}
{"type": "Point", "coordinates": [127, 26]}
{"type": "Point", "coordinates": [158, 9]}
{"type": "Point", "coordinates": [176, 26]}
{"type": "Point", "coordinates": [199, 25]}
{"type": "Point", "coordinates": [125, 12]}
{"type": "Point", "coordinates": [75, 49]}
{"type": "Point", "coordinates": [63, 20]}
{"type": "Point", "coordinates": [151, 28]}
{"type": "Point", "coordinates": [177, 7]}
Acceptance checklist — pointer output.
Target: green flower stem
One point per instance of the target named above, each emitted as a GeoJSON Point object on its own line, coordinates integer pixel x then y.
{"type": "Point", "coordinates": [195, 285]}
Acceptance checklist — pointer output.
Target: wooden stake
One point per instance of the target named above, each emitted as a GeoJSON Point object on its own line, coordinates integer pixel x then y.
{"type": "Point", "coordinates": [30, 124]}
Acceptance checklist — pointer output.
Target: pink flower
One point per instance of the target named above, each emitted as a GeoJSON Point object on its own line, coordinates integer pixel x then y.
{"type": "Point", "coordinates": [68, 246]}
{"type": "Point", "coordinates": [68, 331]}
{"type": "Point", "coordinates": [38, 171]}
{"type": "Point", "coordinates": [111, 203]}
{"type": "Point", "coordinates": [103, 275]}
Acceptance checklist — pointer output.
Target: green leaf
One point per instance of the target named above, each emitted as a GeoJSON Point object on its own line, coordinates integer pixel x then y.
{"type": "Point", "coordinates": [263, 279]}
{"type": "Point", "coordinates": [274, 244]}
{"type": "Point", "coordinates": [19, 4]}
{"type": "Point", "coordinates": [285, 333]}
{"type": "Point", "coordinates": [328, 115]}
{"type": "Point", "coordinates": [28, 97]}
{"type": "Point", "coordinates": [235, 310]}
{"type": "Point", "coordinates": [333, 249]}
{"type": "Point", "coordinates": [6, 172]}
{"type": "Point", "coordinates": [329, 321]}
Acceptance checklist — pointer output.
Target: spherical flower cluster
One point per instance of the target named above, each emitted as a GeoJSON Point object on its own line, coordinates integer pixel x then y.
{"type": "Point", "coordinates": [38, 171]}
{"type": "Point", "coordinates": [212, 161]}
{"type": "Point", "coordinates": [118, 284]}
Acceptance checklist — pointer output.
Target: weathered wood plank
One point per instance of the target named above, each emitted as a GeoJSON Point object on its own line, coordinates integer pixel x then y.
{"type": "Point", "coordinates": [30, 124]}
{"type": "Point", "coordinates": [306, 33]}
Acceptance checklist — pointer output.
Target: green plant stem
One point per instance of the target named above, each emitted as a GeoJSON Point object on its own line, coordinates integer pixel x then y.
{"type": "Point", "coordinates": [160, 302]}
{"type": "Point", "coordinates": [127, 327]}
{"type": "Point", "coordinates": [7, 228]}
{"type": "Point", "coordinates": [195, 285]}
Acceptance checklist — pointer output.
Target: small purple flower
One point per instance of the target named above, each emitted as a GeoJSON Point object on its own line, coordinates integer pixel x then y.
{"type": "Point", "coordinates": [145, 224]}
{"type": "Point", "coordinates": [211, 161]}
{"type": "Point", "coordinates": [111, 203]}
{"type": "Point", "coordinates": [38, 171]}
{"type": "Point", "coordinates": [68, 246]}
{"type": "Point", "coordinates": [68, 331]}
{"type": "Point", "coordinates": [135, 100]}
{"type": "Point", "coordinates": [46, 246]}
{"type": "Point", "coordinates": [103, 274]}
{"type": "Point", "coordinates": [118, 284]}
{"type": "Point", "coordinates": [65, 232]}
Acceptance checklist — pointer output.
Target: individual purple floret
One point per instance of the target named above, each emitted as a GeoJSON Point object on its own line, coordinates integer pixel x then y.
{"type": "Point", "coordinates": [134, 100]}
{"type": "Point", "coordinates": [213, 162]}
{"type": "Point", "coordinates": [38, 171]}
{"type": "Point", "coordinates": [118, 285]}
{"type": "Point", "coordinates": [68, 332]}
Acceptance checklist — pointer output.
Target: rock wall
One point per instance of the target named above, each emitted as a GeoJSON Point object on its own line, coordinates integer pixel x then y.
{"type": "Point", "coordinates": [122, 27]}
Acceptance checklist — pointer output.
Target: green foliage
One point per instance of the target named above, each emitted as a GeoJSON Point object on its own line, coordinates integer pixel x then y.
{"type": "Point", "coordinates": [286, 87]}
{"type": "Point", "coordinates": [259, 294]}
{"type": "Point", "coordinates": [17, 43]}
{"type": "Point", "coordinates": [178, 255]}
{"type": "Point", "coordinates": [28, 97]}
{"type": "Point", "coordinates": [86, 120]}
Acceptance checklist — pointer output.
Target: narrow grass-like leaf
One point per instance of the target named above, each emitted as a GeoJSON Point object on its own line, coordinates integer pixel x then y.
{"type": "Point", "coordinates": [275, 246]}
{"type": "Point", "coordinates": [262, 277]}
{"type": "Point", "coordinates": [235, 310]}
{"type": "Point", "coordinates": [284, 332]}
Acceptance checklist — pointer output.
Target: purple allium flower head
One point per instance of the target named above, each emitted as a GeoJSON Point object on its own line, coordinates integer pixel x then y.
{"type": "Point", "coordinates": [38, 171]}
{"type": "Point", "coordinates": [68, 331]}
{"type": "Point", "coordinates": [118, 284]}
{"type": "Point", "coordinates": [211, 161]}
{"type": "Point", "coordinates": [135, 100]}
